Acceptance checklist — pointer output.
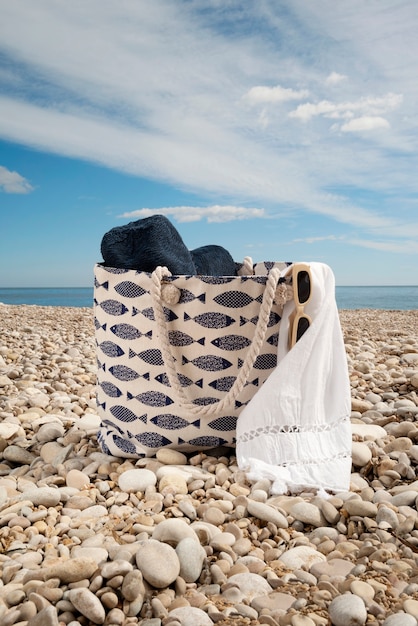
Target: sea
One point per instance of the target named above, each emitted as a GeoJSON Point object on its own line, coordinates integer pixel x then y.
{"type": "Point", "coordinates": [401, 298]}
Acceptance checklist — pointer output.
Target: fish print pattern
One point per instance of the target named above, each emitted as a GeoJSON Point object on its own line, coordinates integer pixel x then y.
{"type": "Point", "coordinates": [209, 330]}
{"type": "Point", "coordinates": [114, 307]}
{"type": "Point", "coordinates": [125, 415]}
{"type": "Point", "coordinates": [236, 299]}
{"type": "Point", "coordinates": [104, 285]}
{"type": "Point", "coordinates": [152, 440]}
{"type": "Point", "coordinates": [188, 296]}
{"type": "Point", "coordinates": [223, 384]}
{"type": "Point", "coordinates": [109, 348]}
{"type": "Point", "coordinates": [129, 332]}
{"type": "Point", "coordinates": [211, 320]}
{"type": "Point", "coordinates": [178, 338]}
{"type": "Point", "coordinates": [185, 381]}
{"type": "Point", "coordinates": [205, 401]}
{"type": "Point", "coordinates": [232, 342]}
{"type": "Point", "coordinates": [153, 398]}
{"type": "Point", "coordinates": [110, 389]}
{"type": "Point", "coordinates": [209, 362]}
{"type": "Point", "coordinates": [173, 422]}
{"type": "Point", "coordinates": [206, 441]}
{"type": "Point", "coordinates": [170, 316]}
{"type": "Point", "coordinates": [123, 372]}
{"type": "Point", "coordinates": [244, 320]}
{"type": "Point", "coordinates": [229, 422]}
{"type": "Point", "coordinates": [152, 356]}
{"type": "Point", "coordinates": [273, 340]}
{"type": "Point", "coordinates": [129, 289]}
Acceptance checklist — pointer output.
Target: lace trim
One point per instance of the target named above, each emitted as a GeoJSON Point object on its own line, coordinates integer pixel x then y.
{"type": "Point", "coordinates": [277, 429]}
{"type": "Point", "coordinates": [335, 457]}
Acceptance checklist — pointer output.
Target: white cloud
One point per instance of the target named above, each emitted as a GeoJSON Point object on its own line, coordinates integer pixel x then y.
{"type": "Point", "coordinates": [317, 239]}
{"type": "Point", "coordinates": [12, 182]}
{"type": "Point", "coordinates": [368, 105]}
{"type": "Point", "coordinates": [366, 122]}
{"type": "Point", "coordinates": [335, 79]}
{"type": "Point", "coordinates": [216, 213]}
{"type": "Point", "coordinates": [263, 94]}
{"type": "Point", "coordinates": [155, 89]}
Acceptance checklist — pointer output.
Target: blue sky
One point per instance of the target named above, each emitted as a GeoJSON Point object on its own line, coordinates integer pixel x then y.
{"type": "Point", "coordinates": [282, 130]}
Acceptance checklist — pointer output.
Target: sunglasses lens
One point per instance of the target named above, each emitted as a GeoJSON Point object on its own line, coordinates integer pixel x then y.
{"type": "Point", "coordinates": [304, 287]}
{"type": "Point", "coordinates": [303, 325]}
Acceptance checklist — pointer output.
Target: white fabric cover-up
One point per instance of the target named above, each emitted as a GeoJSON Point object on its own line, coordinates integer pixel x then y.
{"type": "Point", "coordinates": [296, 429]}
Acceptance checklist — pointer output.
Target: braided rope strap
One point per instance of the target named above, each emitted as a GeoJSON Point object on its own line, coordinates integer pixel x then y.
{"type": "Point", "coordinates": [228, 400]}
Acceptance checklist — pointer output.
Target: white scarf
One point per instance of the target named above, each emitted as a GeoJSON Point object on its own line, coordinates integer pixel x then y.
{"type": "Point", "coordinates": [296, 429]}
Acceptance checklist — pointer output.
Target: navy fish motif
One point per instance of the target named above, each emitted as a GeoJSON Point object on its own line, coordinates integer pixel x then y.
{"type": "Point", "coordinates": [261, 280]}
{"type": "Point", "coordinates": [152, 398]}
{"type": "Point", "coordinates": [217, 280]}
{"type": "Point", "coordinates": [128, 289]}
{"type": "Point", "coordinates": [110, 389]}
{"type": "Point", "coordinates": [113, 307]}
{"type": "Point", "coordinates": [179, 339]}
{"type": "Point", "coordinates": [173, 422]}
{"type": "Point", "coordinates": [116, 270]}
{"type": "Point", "coordinates": [235, 299]}
{"type": "Point", "coordinates": [265, 361]}
{"type": "Point", "coordinates": [232, 342]}
{"type": "Point", "coordinates": [101, 406]}
{"type": "Point", "coordinates": [254, 382]}
{"type": "Point", "coordinates": [170, 316]}
{"type": "Point", "coordinates": [126, 446]}
{"type": "Point", "coordinates": [97, 324]}
{"type": "Point", "coordinates": [205, 440]}
{"type": "Point", "coordinates": [125, 415]}
{"type": "Point", "coordinates": [273, 340]}
{"type": "Point", "coordinates": [111, 349]}
{"type": "Point", "coordinates": [223, 384]}
{"type": "Point", "coordinates": [184, 380]}
{"type": "Point", "coordinates": [205, 401]}
{"type": "Point", "coordinates": [105, 285]}
{"type": "Point", "coordinates": [274, 318]}
{"type": "Point", "coordinates": [113, 426]}
{"type": "Point", "coordinates": [213, 319]}
{"type": "Point", "coordinates": [243, 320]}
{"type": "Point", "coordinates": [209, 362]}
{"type": "Point", "coordinates": [122, 372]}
{"type": "Point", "coordinates": [129, 332]}
{"type": "Point", "coordinates": [227, 423]}
{"type": "Point", "coordinates": [188, 296]}
{"type": "Point", "coordinates": [152, 440]}
{"type": "Point", "coordinates": [101, 366]}
{"type": "Point", "coordinates": [152, 356]}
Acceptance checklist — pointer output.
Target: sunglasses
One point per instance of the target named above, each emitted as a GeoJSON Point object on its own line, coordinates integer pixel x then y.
{"type": "Point", "coordinates": [301, 279]}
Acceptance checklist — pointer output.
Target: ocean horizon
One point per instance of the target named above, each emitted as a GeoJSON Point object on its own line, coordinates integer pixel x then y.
{"type": "Point", "coordinates": [403, 298]}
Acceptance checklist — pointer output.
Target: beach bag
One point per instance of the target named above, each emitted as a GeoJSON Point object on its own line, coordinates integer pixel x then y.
{"type": "Point", "coordinates": [178, 357]}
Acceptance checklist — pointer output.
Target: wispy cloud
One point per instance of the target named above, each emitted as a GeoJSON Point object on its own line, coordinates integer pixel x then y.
{"type": "Point", "coordinates": [262, 94]}
{"type": "Point", "coordinates": [372, 106]}
{"type": "Point", "coordinates": [214, 213]}
{"type": "Point", "coordinates": [310, 240]}
{"type": "Point", "coordinates": [366, 122]}
{"type": "Point", "coordinates": [170, 95]}
{"type": "Point", "coordinates": [13, 182]}
{"type": "Point", "coordinates": [335, 78]}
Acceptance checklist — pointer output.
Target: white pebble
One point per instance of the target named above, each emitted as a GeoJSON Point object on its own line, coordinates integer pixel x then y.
{"type": "Point", "coordinates": [136, 480]}
{"type": "Point", "coordinates": [88, 604]}
{"type": "Point", "coordinates": [347, 609]}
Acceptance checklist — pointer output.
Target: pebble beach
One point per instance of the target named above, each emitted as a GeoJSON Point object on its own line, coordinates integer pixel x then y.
{"type": "Point", "coordinates": [186, 540]}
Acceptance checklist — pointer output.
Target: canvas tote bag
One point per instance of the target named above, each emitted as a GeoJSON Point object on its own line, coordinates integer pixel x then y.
{"type": "Point", "coordinates": [178, 357]}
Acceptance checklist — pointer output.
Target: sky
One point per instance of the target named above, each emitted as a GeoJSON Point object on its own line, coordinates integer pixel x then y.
{"type": "Point", "coordinates": [281, 130]}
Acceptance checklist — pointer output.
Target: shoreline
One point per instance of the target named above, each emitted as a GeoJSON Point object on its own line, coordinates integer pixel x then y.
{"type": "Point", "coordinates": [181, 540]}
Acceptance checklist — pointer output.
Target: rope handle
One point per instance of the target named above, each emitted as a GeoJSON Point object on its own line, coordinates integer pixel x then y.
{"type": "Point", "coordinates": [223, 405]}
